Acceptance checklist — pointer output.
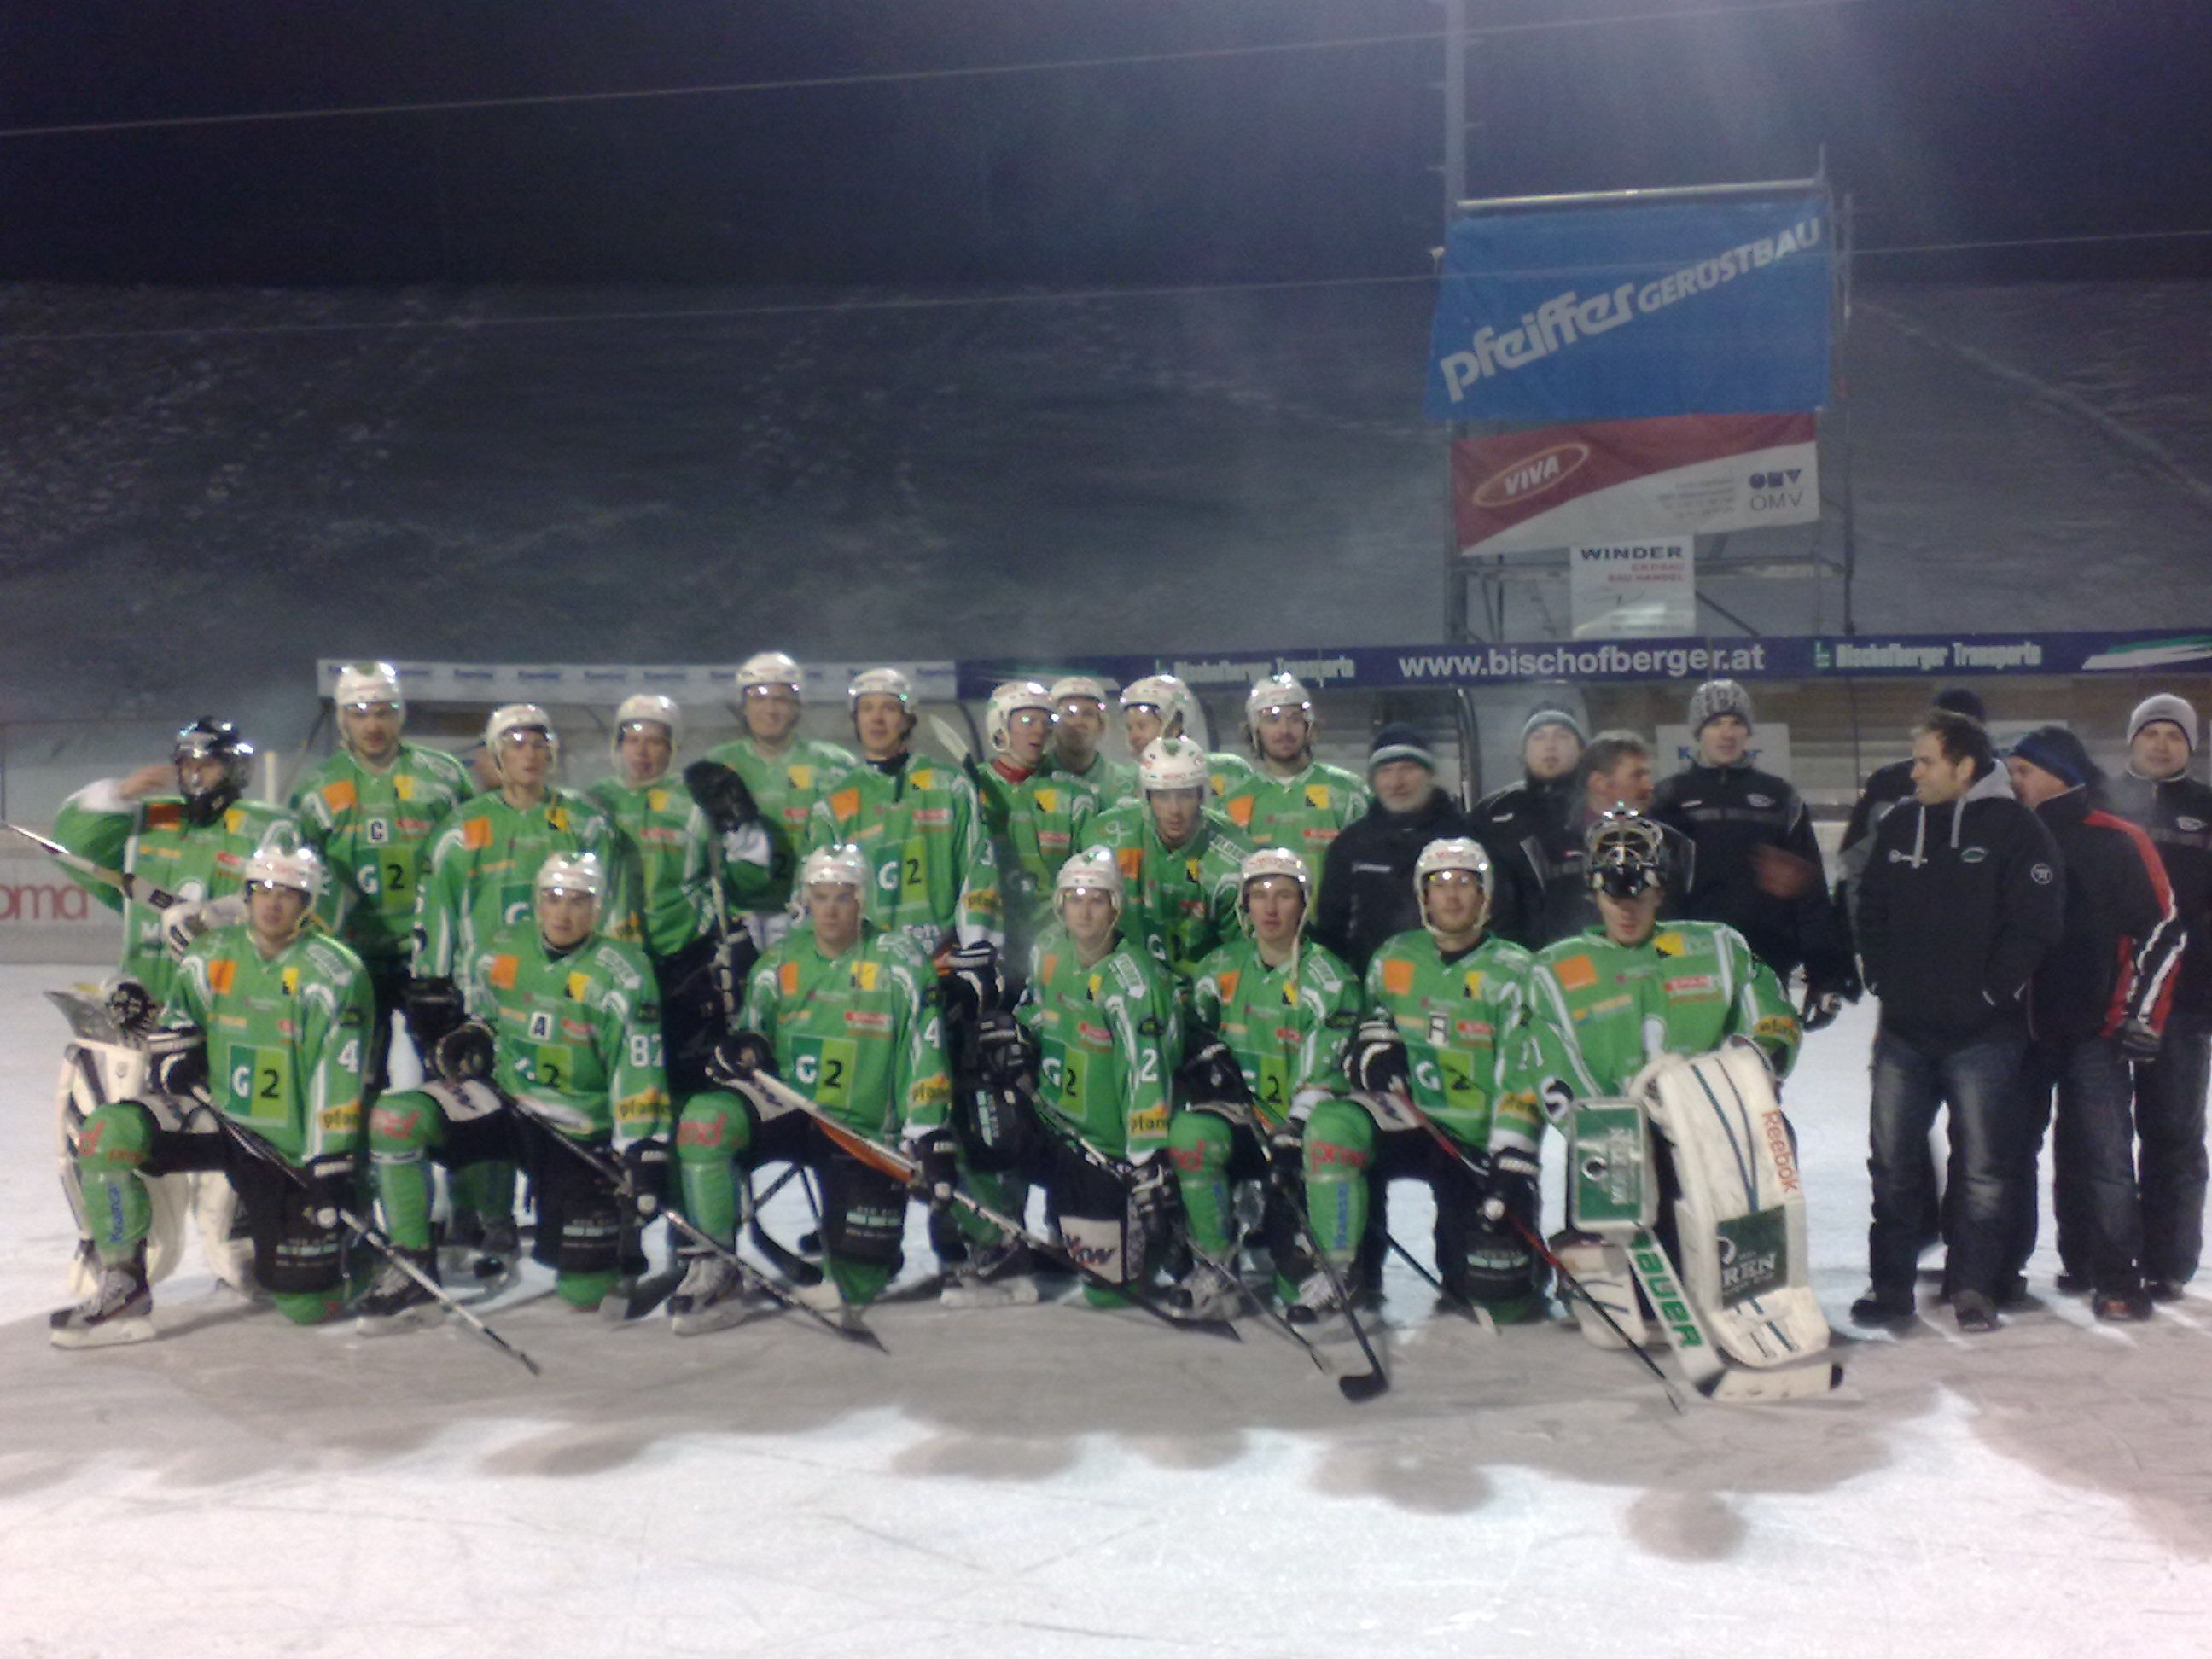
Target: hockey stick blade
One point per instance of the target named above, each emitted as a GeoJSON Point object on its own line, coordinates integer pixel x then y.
{"type": "Point", "coordinates": [1741, 1385]}
{"type": "Point", "coordinates": [649, 1292]}
{"type": "Point", "coordinates": [1363, 1386]}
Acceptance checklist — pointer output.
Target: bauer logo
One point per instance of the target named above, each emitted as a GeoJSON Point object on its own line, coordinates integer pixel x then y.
{"type": "Point", "coordinates": [1547, 468]}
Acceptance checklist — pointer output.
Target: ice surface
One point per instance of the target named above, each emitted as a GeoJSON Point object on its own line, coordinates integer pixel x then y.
{"type": "Point", "coordinates": [1053, 1480]}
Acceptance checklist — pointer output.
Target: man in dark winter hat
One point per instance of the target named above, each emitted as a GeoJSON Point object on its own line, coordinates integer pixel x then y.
{"type": "Point", "coordinates": [1532, 829]}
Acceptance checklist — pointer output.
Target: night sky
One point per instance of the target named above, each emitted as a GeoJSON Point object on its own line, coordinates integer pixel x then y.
{"type": "Point", "coordinates": [1948, 119]}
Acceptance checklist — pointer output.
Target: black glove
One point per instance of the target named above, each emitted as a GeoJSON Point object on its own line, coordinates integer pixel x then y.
{"type": "Point", "coordinates": [1376, 1062]}
{"type": "Point", "coordinates": [2139, 1041]}
{"type": "Point", "coordinates": [1511, 1185]}
{"type": "Point", "coordinates": [1557, 1098]}
{"type": "Point", "coordinates": [1210, 1072]}
{"type": "Point", "coordinates": [1286, 1155]}
{"type": "Point", "coordinates": [329, 1189]}
{"type": "Point", "coordinates": [937, 1152]}
{"type": "Point", "coordinates": [433, 1008]}
{"type": "Point", "coordinates": [1005, 1055]}
{"type": "Point", "coordinates": [131, 1007]}
{"type": "Point", "coordinates": [738, 1056]}
{"type": "Point", "coordinates": [721, 795]}
{"type": "Point", "coordinates": [971, 985]}
{"type": "Point", "coordinates": [1821, 1009]}
{"type": "Point", "coordinates": [465, 1053]}
{"type": "Point", "coordinates": [1150, 1190]}
{"type": "Point", "coordinates": [644, 1166]}
{"type": "Point", "coordinates": [178, 1062]}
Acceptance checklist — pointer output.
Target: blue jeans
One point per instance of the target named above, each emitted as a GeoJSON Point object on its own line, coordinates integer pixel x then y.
{"type": "Point", "coordinates": [1980, 1085]}
{"type": "Point", "coordinates": [2170, 1123]}
{"type": "Point", "coordinates": [2093, 1169]}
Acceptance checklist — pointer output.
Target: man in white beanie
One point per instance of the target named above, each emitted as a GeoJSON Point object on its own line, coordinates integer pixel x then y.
{"type": "Point", "coordinates": [2175, 810]}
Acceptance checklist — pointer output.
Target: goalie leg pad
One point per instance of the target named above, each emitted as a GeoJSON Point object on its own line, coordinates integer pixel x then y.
{"type": "Point", "coordinates": [1740, 1216]}
{"type": "Point", "coordinates": [1601, 1268]}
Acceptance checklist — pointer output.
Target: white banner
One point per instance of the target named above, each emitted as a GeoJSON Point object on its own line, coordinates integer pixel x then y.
{"type": "Point", "coordinates": [609, 682]}
{"type": "Point", "coordinates": [1620, 589]}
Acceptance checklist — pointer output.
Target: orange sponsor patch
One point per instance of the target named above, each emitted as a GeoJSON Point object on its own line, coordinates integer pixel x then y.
{"type": "Point", "coordinates": [1575, 974]}
{"type": "Point", "coordinates": [222, 974]}
{"type": "Point", "coordinates": [503, 970]}
{"type": "Point", "coordinates": [340, 795]}
{"type": "Point", "coordinates": [164, 815]}
{"type": "Point", "coordinates": [1229, 984]}
{"type": "Point", "coordinates": [787, 979]}
{"type": "Point", "coordinates": [476, 834]}
{"type": "Point", "coordinates": [1132, 862]}
{"type": "Point", "coordinates": [1397, 977]}
{"type": "Point", "coordinates": [844, 803]}
{"type": "Point", "coordinates": [1240, 811]}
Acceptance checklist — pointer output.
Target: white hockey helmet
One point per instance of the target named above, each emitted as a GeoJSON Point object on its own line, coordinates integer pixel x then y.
{"type": "Point", "coordinates": [1077, 685]}
{"type": "Point", "coordinates": [1093, 870]}
{"type": "Point", "coordinates": [573, 872]}
{"type": "Point", "coordinates": [1453, 853]}
{"type": "Point", "coordinates": [766, 668]}
{"type": "Point", "coordinates": [1276, 692]}
{"type": "Point", "coordinates": [282, 860]}
{"type": "Point", "coordinates": [1009, 700]}
{"type": "Point", "coordinates": [881, 683]}
{"type": "Point", "coordinates": [1166, 693]}
{"type": "Point", "coordinates": [362, 683]}
{"type": "Point", "coordinates": [520, 717]}
{"type": "Point", "coordinates": [647, 708]}
{"type": "Point", "coordinates": [1273, 861]}
{"type": "Point", "coordinates": [1174, 763]}
{"type": "Point", "coordinates": [843, 866]}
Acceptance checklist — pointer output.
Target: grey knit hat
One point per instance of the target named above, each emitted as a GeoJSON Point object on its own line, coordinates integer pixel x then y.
{"type": "Point", "coordinates": [1716, 698]}
{"type": "Point", "coordinates": [1550, 716]}
{"type": "Point", "coordinates": [2164, 707]}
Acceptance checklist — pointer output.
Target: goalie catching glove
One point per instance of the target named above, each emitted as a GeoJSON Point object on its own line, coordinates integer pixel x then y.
{"type": "Point", "coordinates": [464, 1054]}
{"type": "Point", "coordinates": [721, 794]}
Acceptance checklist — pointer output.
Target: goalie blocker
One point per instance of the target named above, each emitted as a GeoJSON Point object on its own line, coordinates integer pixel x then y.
{"type": "Point", "coordinates": [1688, 1191]}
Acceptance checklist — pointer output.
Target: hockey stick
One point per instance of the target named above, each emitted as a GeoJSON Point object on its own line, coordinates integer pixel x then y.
{"type": "Point", "coordinates": [1458, 1305]}
{"type": "Point", "coordinates": [753, 1279]}
{"type": "Point", "coordinates": [886, 1161]}
{"type": "Point", "coordinates": [130, 886]}
{"type": "Point", "coordinates": [1361, 1386]}
{"type": "Point", "coordinates": [785, 1260]}
{"type": "Point", "coordinates": [1535, 1240]}
{"type": "Point", "coordinates": [374, 1238]}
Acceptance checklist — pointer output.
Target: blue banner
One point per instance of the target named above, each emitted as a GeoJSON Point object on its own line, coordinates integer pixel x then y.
{"type": "Point", "coordinates": [1622, 314]}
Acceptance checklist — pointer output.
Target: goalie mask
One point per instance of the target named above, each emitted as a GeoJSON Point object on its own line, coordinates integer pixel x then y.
{"type": "Point", "coordinates": [209, 739]}
{"type": "Point", "coordinates": [1626, 855]}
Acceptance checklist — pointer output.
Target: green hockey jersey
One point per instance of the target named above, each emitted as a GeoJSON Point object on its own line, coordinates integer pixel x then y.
{"type": "Point", "coordinates": [1287, 1025]}
{"type": "Point", "coordinates": [1305, 812]}
{"type": "Point", "coordinates": [481, 873]}
{"type": "Point", "coordinates": [1108, 1038]}
{"type": "Point", "coordinates": [922, 829]}
{"type": "Point", "coordinates": [1180, 903]}
{"type": "Point", "coordinates": [786, 788]}
{"type": "Point", "coordinates": [373, 829]}
{"type": "Point", "coordinates": [659, 858]}
{"type": "Point", "coordinates": [1466, 1026]}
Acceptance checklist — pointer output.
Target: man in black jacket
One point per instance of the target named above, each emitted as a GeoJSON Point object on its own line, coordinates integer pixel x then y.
{"type": "Point", "coordinates": [1961, 899]}
{"type": "Point", "coordinates": [1532, 829]}
{"type": "Point", "coordinates": [2097, 1002]}
{"type": "Point", "coordinates": [1886, 786]}
{"type": "Point", "coordinates": [2175, 810]}
{"type": "Point", "coordinates": [1367, 879]}
{"type": "Point", "coordinates": [1756, 864]}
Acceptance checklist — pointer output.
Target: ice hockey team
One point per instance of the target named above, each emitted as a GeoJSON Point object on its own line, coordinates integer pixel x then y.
{"type": "Point", "coordinates": [1198, 1009]}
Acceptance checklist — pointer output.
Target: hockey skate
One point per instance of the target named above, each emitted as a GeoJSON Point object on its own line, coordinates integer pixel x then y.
{"type": "Point", "coordinates": [1317, 1301]}
{"type": "Point", "coordinates": [995, 1276]}
{"type": "Point", "coordinates": [1207, 1292]}
{"type": "Point", "coordinates": [120, 1308]}
{"type": "Point", "coordinates": [395, 1302]}
{"type": "Point", "coordinates": [713, 1297]}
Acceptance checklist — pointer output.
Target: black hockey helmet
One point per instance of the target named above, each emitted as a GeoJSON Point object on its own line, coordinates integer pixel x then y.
{"type": "Point", "coordinates": [1626, 853]}
{"type": "Point", "coordinates": [208, 737]}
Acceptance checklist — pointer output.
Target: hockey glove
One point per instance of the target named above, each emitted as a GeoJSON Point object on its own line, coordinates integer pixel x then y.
{"type": "Point", "coordinates": [464, 1054]}
{"type": "Point", "coordinates": [177, 1061]}
{"type": "Point", "coordinates": [1557, 1098]}
{"type": "Point", "coordinates": [1510, 1187]}
{"type": "Point", "coordinates": [1210, 1072]}
{"type": "Point", "coordinates": [972, 985]}
{"type": "Point", "coordinates": [721, 794]}
{"type": "Point", "coordinates": [1377, 1059]}
{"type": "Point", "coordinates": [183, 923]}
{"type": "Point", "coordinates": [645, 1168]}
{"type": "Point", "coordinates": [1150, 1191]}
{"type": "Point", "coordinates": [131, 1007]}
{"type": "Point", "coordinates": [2139, 1041]}
{"type": "Point", "coordinates": [738, 1056]}
{"type": "Point", "coordinates": [1286, 1156]}
{"type": "Point", "coordinates": [1821, 1009]}
{"type": "Point", "coordinates": [433, 1008]}
{"type": "Point", "coordinates": [937, 1154]}
{"type": "Point", "coordinates": [1005, 1054]}
{"type": "Point", "coordinates": [329, 1189]}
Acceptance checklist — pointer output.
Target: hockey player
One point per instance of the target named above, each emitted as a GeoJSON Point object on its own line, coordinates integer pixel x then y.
{"type": "Point", "coordinates": [1178, 860]}
{"type": "Point", "coordinates": [1264, 1086]}
{"type": "Point", "coordinates": [193, 843]}
{"type": "Point", "coordinates": [1161, 706]}
{"type": "Point", "coordinates": [479, 877]}
{"type": "Point", "coordinates": [370, 812]}
{"type": "Point", "coordinates": [661, 863]}
{"type": "Point", "coordinates": [563, 1040]}
{"type": "Point", "coordinates": [1757, 865]}
{"type": "Point", "coordinates": [266, 1024]}
{"type": "Point", "coordinates": [765, 819]}
{"type": "Point", "coordinates": [1289, 799]}
{"type": "Point", "coordinates": [1078, 724]}
{"type": "Point", "coordinates": [1084, 1064]}
{"type": "Point", "coordinates": [919, 824]}
{"type": "Point", "coordinates": [2175, 810]}
{"type": "Point", "coordinates": [844, 1010]}
{"type": "Point", "coordinates": [1039, 813]}
{"type": "Point", "coordinates": [1447, 1028]}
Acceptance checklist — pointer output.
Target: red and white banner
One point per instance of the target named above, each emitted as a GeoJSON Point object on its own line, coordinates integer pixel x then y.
{"type": "Point", "coordinates": [1679, 474]}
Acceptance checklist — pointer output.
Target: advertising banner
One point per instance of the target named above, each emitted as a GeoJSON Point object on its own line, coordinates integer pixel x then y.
{"type": "Point", "coordinates": [1561, 486]}
{"type": "Point", "coordinates": [1617, 589]}
{"type": "Point", "coordinates": [1623, 312]}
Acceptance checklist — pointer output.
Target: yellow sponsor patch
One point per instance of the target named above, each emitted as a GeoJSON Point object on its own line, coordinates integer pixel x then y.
{"type": "Point", "coordinates": [864, 975]}
{"type": "Point", "coordinates": [1318, 796]}
{"type": "Point", "coordinates": [404, 785]}
{"type": "Point", "coordinates": [1474, 983]}
{"type": "Point", "coordinates": [290, 981]}
{"type": "Point", "coordinates": [802, 777]}
{"type": "Point", "coordinates": [579, 986]}
{"type": "Point", "coordinates": [1776, 1026]}
{"type": "Point", "coordinates": [558, 816]}
{"type": "Point", "coordinates": [339, 1120]}
{"type": "Point", "coordinates": [1153, 1120]}
{"type": "Point", "coordinates": [1047, 800]}
{"type": "Point", "coordinates": [232, 819]}
{"type": "Point", "coordinates": [1669, 945]}
{"type": "Point", "coordinates": [656, 800]}
{"type": "Point", "coordinates": [923, 777]}
{"type": "Point", "coordinates": [931, 1090]}
{"type": "Point", "coordinates": [844, 803]}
